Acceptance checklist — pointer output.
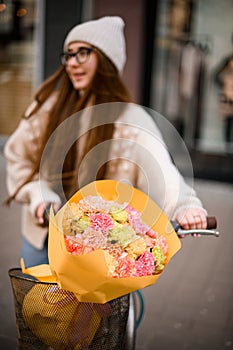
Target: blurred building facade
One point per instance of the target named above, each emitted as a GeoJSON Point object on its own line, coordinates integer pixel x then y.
{"type": "Point", "coordinates": [173, 46]}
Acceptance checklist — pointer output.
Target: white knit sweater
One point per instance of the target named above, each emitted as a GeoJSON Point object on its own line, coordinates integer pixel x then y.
{"type": "Point", "coordinates": [137, 155]}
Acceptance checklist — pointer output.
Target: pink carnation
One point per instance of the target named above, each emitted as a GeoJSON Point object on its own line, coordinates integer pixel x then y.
{"type": "Point", "coordinates": [150, 242]}
{"type": "Point", "coordinates": [101, 222]}
{"type": "Point", "coordinates": [85, 207]}
{"type": "Point", "coordinates": [76, 248]}
{"type": "Point", "coordinates": [151, 233]}
{"type": "Point", "coordinates": [161, 243]}
{"type": "Point", "coordinates": [139, 226]}
{"type": "Point", "coordinates": [145, 264]}
{"type": "Point", "coordinates": [125, 268]}
{"type": "Point", "coordinates": [132, 212]}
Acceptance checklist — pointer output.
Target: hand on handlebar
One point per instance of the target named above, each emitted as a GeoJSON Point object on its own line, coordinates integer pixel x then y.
{"type": "Point", "coordinates": [192, 218]}
{"type": "Point", "coordinates": [209, 230]}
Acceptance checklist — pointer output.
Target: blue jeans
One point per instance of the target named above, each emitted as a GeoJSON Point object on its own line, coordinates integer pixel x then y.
{"type": "Point", "coordinates": [33, 256]}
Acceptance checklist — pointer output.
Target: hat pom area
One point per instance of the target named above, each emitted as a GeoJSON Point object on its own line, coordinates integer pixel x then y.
{"type": "Point", "coordinates": [106, 34]}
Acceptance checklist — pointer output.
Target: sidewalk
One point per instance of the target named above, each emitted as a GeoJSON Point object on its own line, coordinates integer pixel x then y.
{"type": "Point", "coordinates": [190, 307]}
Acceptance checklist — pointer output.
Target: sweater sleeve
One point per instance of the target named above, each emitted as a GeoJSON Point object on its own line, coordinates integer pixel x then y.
{"type": "Point", "coordinates": [148, 165]}
{"type": "Point", "coordinates": [21, 152]}
{"type": "Point", "coordinates": [159, 177]}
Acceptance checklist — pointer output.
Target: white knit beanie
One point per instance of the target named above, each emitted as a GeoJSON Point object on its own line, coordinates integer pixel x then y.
{"type": "Point", "coordinates": [106, 34]}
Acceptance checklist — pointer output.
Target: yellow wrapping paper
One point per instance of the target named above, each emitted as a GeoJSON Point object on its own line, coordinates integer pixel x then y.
{"type": "Point", "coordinates": [87, 276]}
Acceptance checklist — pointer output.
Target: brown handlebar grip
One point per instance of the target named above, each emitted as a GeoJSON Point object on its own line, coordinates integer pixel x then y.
{"type": "Point", "coordinates": [211, 222]}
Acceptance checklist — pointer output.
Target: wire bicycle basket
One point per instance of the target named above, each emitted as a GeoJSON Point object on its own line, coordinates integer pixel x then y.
{"type": "Point", "coordinates": [49, 318]}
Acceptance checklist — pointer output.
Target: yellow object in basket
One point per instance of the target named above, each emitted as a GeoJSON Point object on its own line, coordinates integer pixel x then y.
{"type": "Point", "coordinates": [59, 320]}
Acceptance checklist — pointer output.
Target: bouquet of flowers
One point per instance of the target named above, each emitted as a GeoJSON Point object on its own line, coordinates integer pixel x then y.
{"type": "Point", "coordinates": [134, 249]}
{"type": "Point", "coordinates": [108, 240]}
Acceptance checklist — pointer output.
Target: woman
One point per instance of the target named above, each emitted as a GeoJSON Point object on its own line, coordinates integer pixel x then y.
{"type": "Point", "coordinates": [92, 62]}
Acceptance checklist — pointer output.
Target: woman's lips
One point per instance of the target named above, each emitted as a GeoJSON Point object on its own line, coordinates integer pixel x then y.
{"type": "Point", "coordinates": [78, 76]}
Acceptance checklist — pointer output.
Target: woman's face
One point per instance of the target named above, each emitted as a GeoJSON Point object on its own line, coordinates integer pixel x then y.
{"type": "Point", "coordinates": [82, 67]}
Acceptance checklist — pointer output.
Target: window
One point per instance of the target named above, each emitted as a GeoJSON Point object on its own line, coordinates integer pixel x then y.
{"type": "Point", "coordinates": [17, 50]}
{"type": "Point", "coordinates": [193, 42]}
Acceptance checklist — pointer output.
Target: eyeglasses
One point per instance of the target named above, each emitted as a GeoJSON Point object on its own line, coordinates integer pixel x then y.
{"type": "Point", "coordinates": [81, 56]}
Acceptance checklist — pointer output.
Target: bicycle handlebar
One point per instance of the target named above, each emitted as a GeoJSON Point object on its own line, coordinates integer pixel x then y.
{"type": "Point", "coordinates": [211, 222]}
{"type": "Point", "coordinates": [209, 231]}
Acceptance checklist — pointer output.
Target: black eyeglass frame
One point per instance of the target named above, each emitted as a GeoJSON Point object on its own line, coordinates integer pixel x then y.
{"type": "Point", "coordinates": [88, 50]}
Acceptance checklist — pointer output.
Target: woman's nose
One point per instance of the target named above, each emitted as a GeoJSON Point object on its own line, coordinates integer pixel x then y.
{"type": "Point", "coordinates": [73, 61]}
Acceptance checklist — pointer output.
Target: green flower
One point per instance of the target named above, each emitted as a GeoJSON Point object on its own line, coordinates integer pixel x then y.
{"type": "Point", "coordinates": [81, 224]}
{"type": "Point", "coordinates": [159, 258]}
{"type": "Point", "coordinates": [118, 225]}
{"type": "Point", "coordinates": [123, 235]}
{"type": "Point", "coordinates": [118, 214]}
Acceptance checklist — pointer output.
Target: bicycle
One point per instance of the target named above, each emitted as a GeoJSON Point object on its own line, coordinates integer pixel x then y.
{"type": "Point", "coordinates": [116, 331]}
